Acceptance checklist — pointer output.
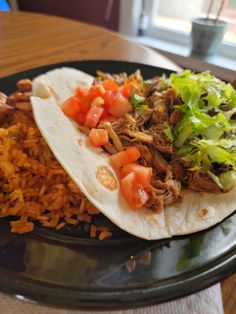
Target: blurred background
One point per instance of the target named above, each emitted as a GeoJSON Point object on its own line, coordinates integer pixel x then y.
{"type": "Point", "coordinates": [173, 15]}
{"type": "Point", "coordinates": [164, 25]}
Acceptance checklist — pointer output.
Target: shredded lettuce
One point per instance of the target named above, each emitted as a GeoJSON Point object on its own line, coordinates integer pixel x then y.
{"type": "Point", "coordinates": [215, 178]}
{"type": "Point", "coordinates": [167, 131]}
{"type": "Point", "coordinates": [210, 151]}
{"type": "Point", "coordinates": [138, 102]}
{"type": "Point", "coordinates": [200, 137]}
{"type": "Point", "coordinates": [228, 180]}
{"type": "Point", "coordinates": [163, 83]}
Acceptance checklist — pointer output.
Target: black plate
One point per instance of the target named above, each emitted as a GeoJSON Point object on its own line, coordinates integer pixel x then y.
{"type": "Point", "coordinates": [68, 269]}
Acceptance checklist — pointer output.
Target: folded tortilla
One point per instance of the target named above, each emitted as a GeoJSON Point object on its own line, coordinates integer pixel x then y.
{"type": "Point", "coordinates": [90, 169]}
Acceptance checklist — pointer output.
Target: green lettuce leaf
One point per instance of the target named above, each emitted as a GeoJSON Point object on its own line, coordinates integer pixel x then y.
{"type": "Point", "coordinates": [138, 102]}
{"type": "Point", "coordinates": [228, 180]}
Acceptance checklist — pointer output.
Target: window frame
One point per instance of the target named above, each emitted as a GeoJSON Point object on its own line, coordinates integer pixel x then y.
{"type": "Point", "coordinates": [227, 50]}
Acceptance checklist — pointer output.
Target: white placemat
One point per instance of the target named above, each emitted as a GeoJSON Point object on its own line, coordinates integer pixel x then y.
{"type": "Point", "coordinates": [208, 301]}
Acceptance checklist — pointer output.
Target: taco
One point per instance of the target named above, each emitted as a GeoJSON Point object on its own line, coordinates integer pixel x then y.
{"type": "Point", "coordinates": [157, 157]}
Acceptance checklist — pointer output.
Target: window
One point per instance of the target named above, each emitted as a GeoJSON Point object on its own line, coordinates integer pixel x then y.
{"type": "Point", "coordinates": [171, 20]}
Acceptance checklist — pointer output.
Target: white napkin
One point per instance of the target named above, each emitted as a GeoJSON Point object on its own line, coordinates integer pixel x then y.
{"type": "Point", "coordinates": [206, 301]}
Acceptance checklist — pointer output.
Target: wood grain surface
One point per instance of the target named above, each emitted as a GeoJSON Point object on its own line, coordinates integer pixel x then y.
{"type": "Point", "coordinates": [30, 40]}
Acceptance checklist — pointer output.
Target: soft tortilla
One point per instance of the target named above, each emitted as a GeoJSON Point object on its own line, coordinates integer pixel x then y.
{"type": "Point", "coordinates": [91, 171]}
{"type": "Point", "coordinates": [61, 83]}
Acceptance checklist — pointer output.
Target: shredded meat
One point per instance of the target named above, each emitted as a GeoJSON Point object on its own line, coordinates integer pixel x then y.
{"type": "Point", "coordinates": [226, 106]}
{"type": "Point", "coordinates": [118, 78]}
{"type": "Point", "coordinates": [161, 166]}
{"type": "Point", "coordinates": [147, 128]}
{"type": "Point", "coordinates": [202, 182]}
{"type": "Point", "coordinates": [160, 113]}
{"type": "Point", "coordinates": [130, 119]}
{"type": "Point", "coordinates": [170, 96]}
{"type": "Point", "coordinates": [151, 86]}
{"type": "Point", "coordinates": [147, 156]}
{"type": "Point", "coordinates": [220, 167]}
{"type": "Point", "coordinates": [164, 193]}
{"type": "Point", "coordinates": [116, 141]}
{"type": "Point", "coordinates": [176, 116]}
{"type": "Point", "coordinates": [102, 76]}
{"type": "Point", "coordinates": [155, 202]}
{"type": "Point", "coordinates": [162, 143]}
{"type": "Point", "coordinates": [178, 170]}
{"type": "Point", "coordinates": [173, 192]}
{"type": "Point", "coordinates": [139, 136]}
{"type": "Point", "coordinates": [212, 112]}
{"type": "Point", "coordinates": [233, 116]}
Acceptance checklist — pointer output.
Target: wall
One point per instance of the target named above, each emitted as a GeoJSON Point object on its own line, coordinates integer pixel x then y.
{"type": "Point", "coordinates": [90, 11]}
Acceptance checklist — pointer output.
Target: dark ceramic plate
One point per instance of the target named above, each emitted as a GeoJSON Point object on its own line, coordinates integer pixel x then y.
{"type": "Point", "coordinates": [67, 268]}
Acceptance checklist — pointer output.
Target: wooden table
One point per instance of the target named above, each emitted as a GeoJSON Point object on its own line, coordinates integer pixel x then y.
{"type": "Point", "coordinates": [30, 40]}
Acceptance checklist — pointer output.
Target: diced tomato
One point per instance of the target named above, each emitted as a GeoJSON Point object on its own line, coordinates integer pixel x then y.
{"type": "Point", "coordinates": [140, 197]}
{"type": "Point", "coordinates": [80, 119]}
{"type": "Point", "coordinates": [143, 174]}
{"type": "Point", "coordinates": [105, 117]}
{"type": "Point", "coordinates": [96, 91]}
{"type": "Point", "coordinates": [98, 101]}
{"type": "Point", "coordinates": [120, 106]}
{"type": "Point", "coordinates": [71, 107]}
{"type": "Point", "coordinates": [108, 98]}
{"type": "Point", "coordinates": [110, 85]}
{"type": "Point", "coordinates": [120, 159]}
{"type": "Point", "coordinates": [82, 95]}
{"type": "Point", "coordinates": [98, 137]}
{"type": "Point", "coordinates": [133, 153]}
{"type": "Point", "coordinates": [85, 105]}
{"type": "Point", "coordinates": [93, 117]}
{"type": "Point", "coordinates": [108, 118]}
{"type": "Point", "coordinates": [129, 89]}
{"type": "Point", "coordinates": [81, 92]}
{"type": "Point", "coordinates": [133, 191]}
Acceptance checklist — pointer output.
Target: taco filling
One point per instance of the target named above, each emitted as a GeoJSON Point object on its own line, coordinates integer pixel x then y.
{"type": "Point", "coordinates": [163, 134]}
{"type": "Point", "coordinates": [157, 156]}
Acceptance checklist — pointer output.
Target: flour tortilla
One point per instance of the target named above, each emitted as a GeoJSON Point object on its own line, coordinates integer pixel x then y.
{"type": "Point", "coordinates": [61, 83]}
{"type": "Point", "coordinates": [91, 171]}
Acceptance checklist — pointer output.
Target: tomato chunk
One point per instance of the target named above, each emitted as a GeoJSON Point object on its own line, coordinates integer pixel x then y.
{"type": "Point", "coordinates": [80, 119]}
{"type": "Point", "coordinates": [81, 92]}
{"type": "Point", "coordinates": [98, 101]}
{"type": "Point", "coordinates": [96, 91]}
{"type": "Point", "coordinates": [120, 106]}
{"type": "Point", "coordinates": [110, 85]}
{"type": "Point", "coordinates": [143, 174]}
{"type": "Point", "coordinates": [129, 89]}
{"type": "Point", "coordinates": [93, 116]}
{"type": "Point", "coordinates": [108, 98]}
{"type": "Point", "coordinates": [105, 117]}
{"type": "Point", "coordinates": [71, 107]}
{"type": "Point", "coordinates": [133, 191]}
{"type": "Point", "coordinates": [82, 95]}
{"type": "Point", "coordinates": [98, 137]}
{"type": "Point", "coordinates": [119, 160]}
{"type": "Point", "coordinates": [131, 154]}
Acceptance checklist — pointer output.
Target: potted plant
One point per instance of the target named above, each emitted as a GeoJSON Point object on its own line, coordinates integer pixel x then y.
{"type": "Point", "coordinates": [207, 33]}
